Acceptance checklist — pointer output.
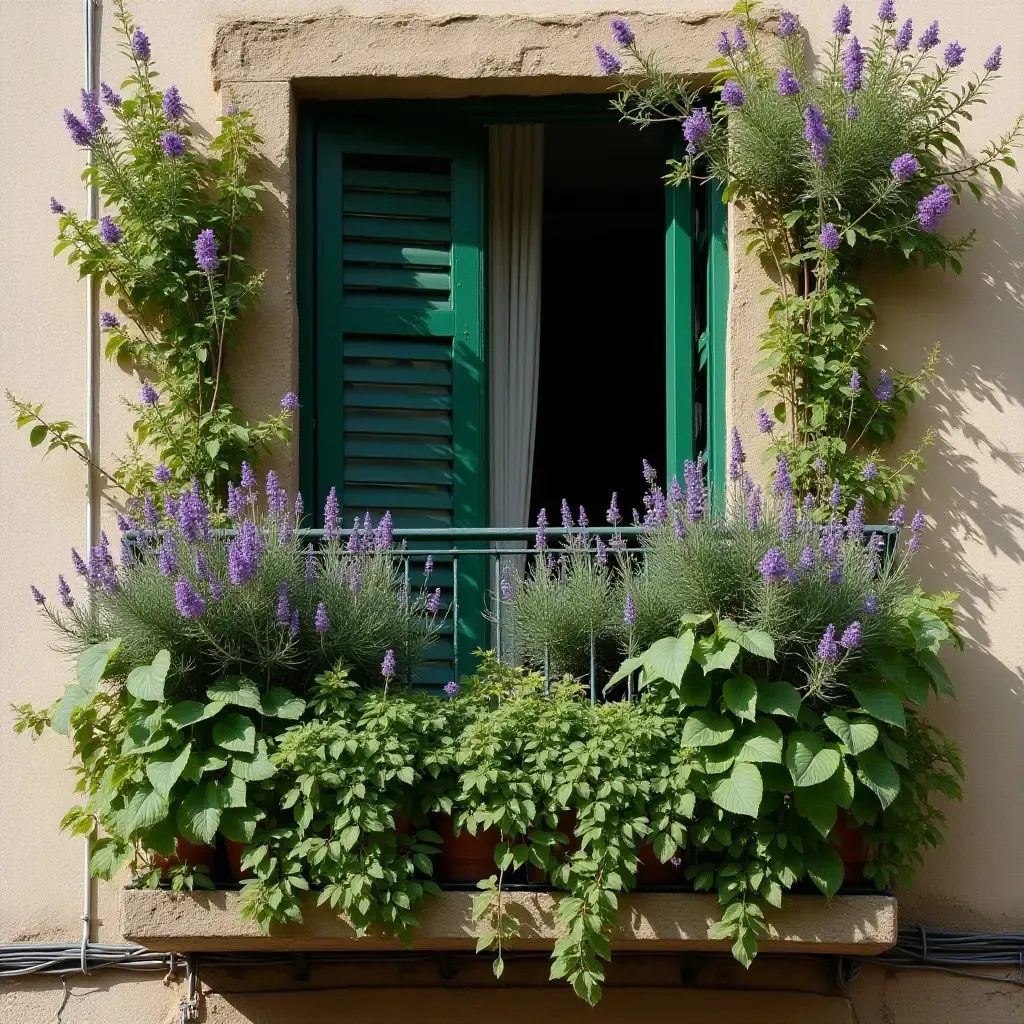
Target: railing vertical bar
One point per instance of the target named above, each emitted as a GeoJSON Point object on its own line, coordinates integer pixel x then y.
{"type": "Point", "coordinates": [547, 672]}
{"type": "Point", "coordinates": [593, 669]}
{"type": "Point", "coordinates": [497, 605]}
{"type": "Point", "coordinates": [455, 617]}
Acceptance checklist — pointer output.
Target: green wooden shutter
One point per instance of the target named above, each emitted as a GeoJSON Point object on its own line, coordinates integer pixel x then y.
{"type": "Point", "coordinates": [400, 379]}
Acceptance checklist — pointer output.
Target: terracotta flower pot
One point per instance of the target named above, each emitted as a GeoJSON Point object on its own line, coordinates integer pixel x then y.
{"type": "Point", "coordinates": [465, 857]}
{"type": "Point", "coordinates": [848, 839]}
{"type": "Point", "coordinates": [651, 871]}
{"type": "Point", "coordinates": [234, 850]}
{"type": "Point", "coordinates": [191, 855]}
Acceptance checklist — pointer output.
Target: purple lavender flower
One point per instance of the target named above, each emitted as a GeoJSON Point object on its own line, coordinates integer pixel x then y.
{"type": "Point", "coordinates": [387, 666]}
{"type": "Point", "coordinates": [37, 595]}
{"type": "Point", "coordinates": [193, 515]}
{"type": "Point", "coordinates": [331, 521]}
{"type": "Point", "coordinates": [884, 390]}
{"type": "Point", "coordinates": [355, 541]}
{"type": "Point", "coordinates": [236, 502]}
{"type": "Point", "coordinates": [918, 523]}
{"type": "Point", "coordinates": [773, 566]}
{"type": "Point", "coordinates": [694, 491]}
{"type": "Point", "coordinates": [451, 690]}
{"type": "Point", "coordinates": [428, 566]}
{"type": "Point", "coordinates": [930, 38]}
{"type": "Point", "coordinates": [871, 604]}
{"type": "Point", "coordinates": [954, 55]}
{"type": "Point", "coordinates": [831, 538]}
{"type": "Point", "coordinates": [108, 320]}
{"type": "Point", "coordinates": [855, 518]}
{"type": "Point", "coordinates": [80, 133]}
{"type": "Point", "coordinates": [601, 552]}
{"type": "Point", "coordinates": [737, 456]}
{"type": "Point", "coordinates": [783, 483]}
{"type": "Point", "coordinates": [248, 478]}
{"type": "Point", "coordinates": [282, 613]}
{"type": "Point", "coordinates": [540, 541]}
{"type": "Point", "coordinates": [148, 395]}
{"type": "Point", "coordinates": [384, 535]}
{"type": "Point", "coordinates": [842, 21]}
{"type": "Point", "coordinates": [56, 207]}
{"type": "Point", "coordinates": [356, 583]}
{"type": "Point", "coordinates": [764, 422]}
{"type": "Point", "coordinates": [621, 32]}
{"type": "Point", "coordinates": [434, 601]}
{"type": "Point", "coordinates": [898, 516]}
{"type": "Point", "coordinates": [64, 592]}
{"type": "Point", "coordinates": [994, 60]}
{"type": "Point", "coordinates": [309, 568]}
{"type": "Point", "coordinates": [140, 45]}
{"type": "Point", "coordinates": [739, 40]}
{"type": "Point", "coordinates": [807, 506]}
{"type": "Point", "coordinates": [696, 128]}
{"type": "Point", "coordinates": [244, 555]}
{"type": "Point", "coordinates": [170, 504]}
{"type": "Point", "coordinates": [111, 98]}
{"type": "Point", "coordinates": [173, 146]}
{"type": "Point", "coordinates": [150, 515]}
{"type": "Point", "coordinates": [566, 515]}
{"type": "Point", "coordinates": [231, 110]}
{"type": "Point", "coordinates": [168, 557]}
{"type": "Point", "coordinates": [870, 471]}
{"type": "Point", "coordinates": [903, 37]}
{"type": "Point", "coordinates": [629, 611]}
{"type": "Point", "coordinates": [206, 250]}
{"type": "Point", "coordinates": [202, 566]}
{"type": "Point", "coordinates": [678, 526]}
{"type": "Point", "coordinates": [733, 95]}
{"type": "Point", "coordinates": [162, 475]}
{"type": "Point", "coordinates": [321, 623]}
{"type": "Point", "coordinates": [835, 575]}
{"type": "Point", "coordinates": [829, 238]}
{"type": "Point", "coordinates": [789, 24]}
{"type": "Point", "coordinates": [807, 557]}
{"type": "Point", "coordinates": [109, 232]}
{"type": "Point", "coordinates": [852, 636]}
{"type": "Point", "coordinates": [887, 11]}
{"type": "Point", "coordinates": [172, 104]}
{"type": "Point", "coordinates": [272, 489]}
{"type": "Point", "coordinates": [852, 112]}
{"type": "Point", "coordinates": [817, 136]}
{"type": "Point", "coordinates": [914, 544]}
{"type": "Point", "coordinates": [92, 111]}
{"type": "Point", "coordinates": [904, 167]}
{"type": "Point", "coordinates": [187, 600]}
{"type": "Point", "coordinates": [787, 520]}
{"type": "Point", "coordinates": [612, 516]}
{"type": "Point", "coordinates": [80, 566]}
{"type": "Point", "coordinates": [828, 649]}
{"type": "Point", "coordinates": [788, 84]}
{"type": "Point", "coordinates": [293, 624]}
{"type": "Point", "coordinates": [289, 401]}
{"type": "Point", "coordinates": [754, 504]}
{"type": "Point", "coordinates": [610, 64]}
{"type": "Point", "coordinates": [506, 582]}
{"type": "Point", "coordinates": [649, 472]}
{"type": "Point", "coordinates": [853, 66]}
{"type": "Point", "coordinates": [933, 207]}
{"type": "Point", "coordinates": [723, 45]}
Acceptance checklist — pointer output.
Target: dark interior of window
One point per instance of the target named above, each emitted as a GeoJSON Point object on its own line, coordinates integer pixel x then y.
{"type": "Point", "coordinates": [601, 400]}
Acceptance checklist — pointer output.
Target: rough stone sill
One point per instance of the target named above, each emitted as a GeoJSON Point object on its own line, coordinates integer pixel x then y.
{"type": "Point", "coordinates": [210, 921]}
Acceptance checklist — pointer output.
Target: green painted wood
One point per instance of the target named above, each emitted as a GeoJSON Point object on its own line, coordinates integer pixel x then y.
{"type": "Point", "coordinates": [398, 204]}
{"type": "Point", "coordinates": [419, 302]}
{"type": "Point", "coordinates": [305, 259]}
{"type": "Point", "coordinates": [385, 348]}
{"type": "Point", "coordinates": [382, 423]}
{"type": "Point", "coordinates": [397, 498]}
{"type": "Point", "coordinates": [378, 180]}
{"type": "Point", "coordinates": [402, 471]}
{"type": "Point", "coordinates": [718, 311]}
{"type": "Point", "coordinates": [356, 276]}
{"type": "Point", "coordinates": [679, 340]}
{"type": "Point", "coordinates": [359, 447]}
{"type": "Point", "coordinates": [395, 322]}
{"type": "Point", "coordinates": [370, 397]}
{"type": "Point", "coordinates": [396, 253]}
{"type": "Point", "coordinates": [416, 373]}
{"type": "Point", "coordinates": [405, 230]}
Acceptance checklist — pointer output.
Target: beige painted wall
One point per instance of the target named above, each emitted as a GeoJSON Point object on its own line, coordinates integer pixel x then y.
{"type": "Point", "coordinates": [974, 489]}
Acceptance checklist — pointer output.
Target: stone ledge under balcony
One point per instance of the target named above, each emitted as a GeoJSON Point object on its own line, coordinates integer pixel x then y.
{"type": "Point", "coordinates": [196, 922]}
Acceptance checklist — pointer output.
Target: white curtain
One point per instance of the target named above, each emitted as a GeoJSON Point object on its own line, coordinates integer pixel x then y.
{"type": "Point", "coordinates": [516, 179]}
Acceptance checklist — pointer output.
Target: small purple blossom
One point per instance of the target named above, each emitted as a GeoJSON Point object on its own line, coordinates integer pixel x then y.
{"type": "Point", "coordinates": [168, 557]}
{"type": "Point", "coordinates": [773, 566]}
{"type": "Point", "coordinates": [855, 518]}
{"type": "Point", "coordinates": [566, 515]}
{"type": "Point", "coordinates": [293, 624]}
{"type": "Point", "coordinates": [694, 491]}
{"type": "Point", "coordinates": [884, 390]}
{"type": "Point", "coordinates": [994, 60]}
{"type": "Point", "coordinates": [64, 592]}
{"type": "Point", "coordinates": [109, 231]}
{"type": "Point", "coordinates": [150, 514]}
{"type": "Point", "coordinates": [188, 600]}
{"type": "Point", "coordinates": [696, 128]}
{"type": "Point", "coordinates": [331, 515]}
{"type": "Point", "coordinates": [299, 507]}
{"type": "Point", "coordinates": [918, 523]}
{"type": "Point", "coordinates": [807, 505]}
{"type": "Point", "coordinates": [355, 540]}
{"type": "Point", "coordinates": [783, 483]}
{"type": "Point", "coordinates": [248, 480]}
{"type": "Point", "coordinates": [202, 566]}
{"type": "Point", "coordinates": [282, 612]}
{"type": "Point", "coordinates": [610, 64]}
{"type": "Point", "coordinates": [788, 84]}
{"type": "Point", "coordinates": [540, 540]}
{"type": "Point", "coordinates": [852, 636]}
{"type": "Point", "coordinates": [108, 320]}
{"type": "Point", "coordinates": [789, 24]}
{"type": "Point", "coordinates": [91, 110]}
{"type": "Point", "coordinates": [871, 604]}
{"type": "Point", "coordinates": [612, 516]}
{"type": "Point", "coordinates": [678, 526]}
{"type": "Point", "coordinates": [601, 552]}
{"type": "Point", "coordinates": [172, 104]}
{"type": "Point", "coordinates": [321, 623]}
{"type": "Point", "coordinates": [817, 136]}
{"type": "Point", "coordinates": [206, 250]}
{"type": "Point", "coordinates": [787, 519]}
{"type": "Point", "coordinates": [904, 167]}
{"type": "Point", "coordinates": [829, 238]}
{"type": "Point", "coordinates": [828, 649]}
{"type": "Point", "coordinates": [831, 538]}
{"type": "Point", "coordinates": [193, 515]}
{"type": "Point", "coordinates": [621, 32]}
{"type": "Point", "coordinates": [309, 566]}
{"type": "Point", "coordinates": [852, 112]}
{"type": "Point", "coordinates": [807, 557]}
{"type": "Point", "coordinates": [80, 133]}
{"type": "Point", "coordinates": [835, 575]}
{"type": "Point", "coordinates": [739, 40]}
{"type": "Point", "coordinates": [111, 98]}
{"type": "Point", "coordinates": [289, 401]}
{"type": "Point", "coordinates": [505, 585]}
{"type": "Point", "coordinates": [356, 583]}
{"type": "Point", "coordinates": [933, 207]}
{"type": "Point", "coordinates": [764, 422]}
{"type": "Point", "coordinates": [898, 516]}
{"type": "Point", "coordinates": [629, 611]}
{"type": "Point", "coordinates": [451, 690]}
{"type": "Point", "coordinates": [853, 66]}
{"type": "Point", "coordinates": [723, 45]}
{"type": "Point", "coordinates": [887, 11]}
{"type": "Point", "coordinates": [231, 110]}
{"type": "Point", "coordinates": [930, 38]}
{"type": "Point", "coordinates": [954, 55]}
{"type": "Point", "coordinates": [79, 564]}
{"type": "Point", "coordinates": [914, 544]}
{"type": "Point", "coordinates": [737, 456]}
{"type": "Point", "coordinates": [733, 95]}
{"type": "Point", "coordinates": [819, 467]}
{"type": "Point", "coordinates": [387, 666]}
{"type": "Point", "coordinates": [754, 505]}
{"type": "Point", "coordinates": [162, 475]}
{"type": "Point", "coordinates": [384, 535]}
{"type": "Point", "coordinates": [434, 601]}
{"type": "Point", "coordinates": [236, 502]}
{"type": "Point", "coordinates": [870, 471]}
{"type": "Point", "coordinates": [172, 144]}
{"type": "Point", "coordinates": [148, 395]}
{"type": "Point", "coordinates": [140, 45]}
{"type": "Point", "coordinates": [37, 595]}
{"type": "Point", "coordinates": [903, 37]}
{"type": "Point", "coordinates": [56, 207]}
{"type": "Point", "coordinates": [842, 21]}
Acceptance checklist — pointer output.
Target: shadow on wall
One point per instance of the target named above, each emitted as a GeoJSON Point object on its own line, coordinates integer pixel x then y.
{"type": "Point", "coordinates": [973, 492]}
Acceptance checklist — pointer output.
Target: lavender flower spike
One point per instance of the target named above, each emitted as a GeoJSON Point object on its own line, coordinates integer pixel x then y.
{"type": "Point", "coordinates": [930, 38]}
{"type": "Point", "coordinates": [610, 64]}
{"type": "Point", "coordinates": [540, 540]}
{"type": "Point", "coordinates": [172, 144]}
{"type": "Point", "coordinates": [566, 515]}
{"type": "Point", "coordinates": [737, 456]}
{"type": "Point", "coordinates": [897, 518]}
{"type": "Point", "coordinates": [764, 422]}
{"type": "Point", "coordinates": [788, 84]}
{"type": "Point", "coordinates": [870, 471]}
{"type": "Point", "coordinates": [612, 516]}
{"type": "Point", "coordinates": [434, 601]}
{"type": "Point", "coordinates": [954, 55]}
{"type": "Point", "coordinates": [787, 520]}
{"type": "Point", "coordinates": [56, 207]}
{"type": "Point", "coordinates": [506, 582]}
{"type": "Point", "coordinates": [187, 600]}
{"type": "Point", "coordinates": [773, 566]}
{"type": "Point", "coordinates": [148, 395]}
{"type": "Point", "coordinates": [451, 690]}
{"type": "Point", "coordinates": [853, 66]}
{"type": "Point", "coordinates": [903, 37]}
{"type": "Point", "coordinates": [783, 483]}
{"type": "Point", "coordinates": [817, 136]}
{"type": "Point", "coordinates": [918, 523]}
{"type": "Point", "coordinates": [994, 60]}
{"type": "Point", "coordinates": [109, 231]}
{"type": "Point", "coordinates": [80, 133]}
{"type": "Point", "coordinates": [733, 95]}
{"type": "Point", "coordinates": [807, 557]}
{"type": "Point", "coordinates": [789, 24]}
{"type": "Point", "coordinates": [289, 401]}
{"type": "Point", "coordinates": [92, 111]}
{"type": "Point", "coordinates": [852, 636]}
{"type": "Point", "coordinates": [64, 592]}
{"type": "Point", "coordinates": [248, 480]}
{"type": "Point", "coordinates": [828, 649]}
{"type": "Point", "coordinates": [694, 491]}
{"type": "Point", "coordinates": [739, 40]}
{"type": "Point", "coordinates": [842, 21]}
{"type": "Point", "coordinates": [206, 250]}
{"type": "Point", "coordinates": [140, 45]}
{"type": "Point", "coordinates": [887, 11]}
{"type": "Point", "coordinates": [855, 381]}
{"type": "Point", "coordinates": [282, 613]}
{"type": "Point", "coordinates": [933, 207]}
{"type": "Point", "coordinates": [723, 45]}
{"type": "Point", "coordinates": [321, 623]}
{"type": "Point", "coordinates": [754, 503]}
{"type": "Point", "coordinates": [621, 32]}
{"type": "Point", "coordinates": [629, 611]}
{"type": "Point", "coordinates": [111, 98]}
{"type": "Point", "coordinates": [696, 128]}
{"type": "Point", "coordinates": [904, 167]}
{"type": "Point", "coordinates": [172, 104]}
{"type": "Point", "coordinates": [855, 518]}
{"type": "Point", "coordinates": [37, 595]}
{"type": "Point", "coordinates": [835, 499]}
{"type": "Point", "coordinates": [387, 666]}
{"type": "Point", "coordinates": [829, 238]}
{"type": "Point", "coordinates": [884, 390]}
{"type": "Point", "coordinates": [331, 520]}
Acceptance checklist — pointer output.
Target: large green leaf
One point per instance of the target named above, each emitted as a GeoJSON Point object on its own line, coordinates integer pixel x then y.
{"type": "Point", "coordinates": [107, 857]}
{"type": "Point", "coordinates": [144, 810]}
{"type": "Point", "coordinates": [667, 659]}
{"type": "Point", "coordinates": [778, 698]}
{"type": "Point", "coordinates": [756, 641]}
{"type": "Point", "coordinates": [815, 803]}
{"type": "Point", "coordinates": [227, 792]}
{"type": "Point", "coordinates": [253, 768]}
{"type": "Point", "coordinates": [856, 733]}
{"type": "Point", "coordinates": [238, 823]}
{"type": "Point", "coordinates": [165, 768]}
{"type": "Point", "coordinates": [881, 701]}
{"type": "Point", "coordinates": [740, 695]}
{"type": "Point", "coordinates": [146, 682]}
{"type": "Point", "coordinates": [809, 760]}
{"type": "Point", "coordinates": [198, 817]}
{"type": "Point", "coordinates": [627, 668]}
{"type": "Point", "coordinates": [740, 791]}
{"type": "Point", "coordinates": [93, 662]}
{"type": "Point", "coordinates": [825, 868]}
{"type": "Point", "coordinates": [713, 653]}
{"type": "Point", "coordinates": [936, 670]}
{"type": "Point", "coordinates": [879, 774]}
{"type": "Point", "coordinates": [694, 690]}
{"type": "Point", "coordinates": [278, 702]}
{"type": "Point", "coordinates": [236, 690]}
{"type": "Point", "coordinates": [705, 729]}
{"type": "Point", "coordinates": [75, 696]}
{"type": "Point", "coordinates": [235, 732]}
{"type": "Point", "coordinates": [188, 712]}
{"type": "Point", "coordinates": [761, 742]}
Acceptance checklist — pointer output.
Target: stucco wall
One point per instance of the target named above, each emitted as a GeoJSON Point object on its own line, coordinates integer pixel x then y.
{"type": "Point", "coordinates": [974, 488]}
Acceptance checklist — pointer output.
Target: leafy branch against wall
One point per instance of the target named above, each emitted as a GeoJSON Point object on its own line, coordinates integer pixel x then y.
{"type": "Point", "coordinates": [169, 251]}
{"type": "Point", "coordinates": [855, 157]}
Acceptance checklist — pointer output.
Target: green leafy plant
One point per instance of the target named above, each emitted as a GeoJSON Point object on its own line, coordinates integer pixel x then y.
{"type": "Point", "coordinates": [170, 253]}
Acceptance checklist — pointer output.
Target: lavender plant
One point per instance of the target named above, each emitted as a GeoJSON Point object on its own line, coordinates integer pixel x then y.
{"type": "Point", "coordinates": [854, 157]}
{"type": "Point", "coordinates": [169, 251]}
